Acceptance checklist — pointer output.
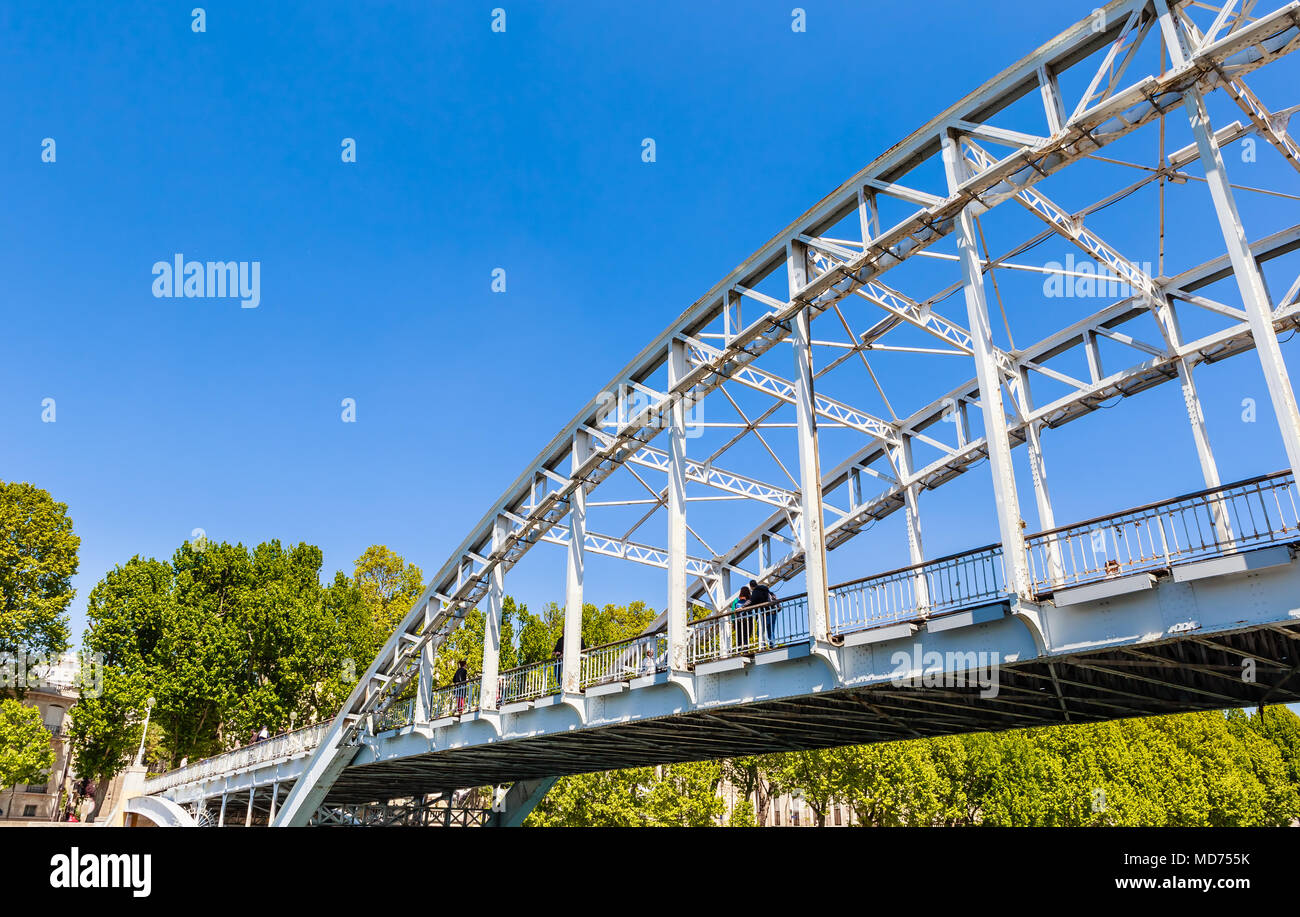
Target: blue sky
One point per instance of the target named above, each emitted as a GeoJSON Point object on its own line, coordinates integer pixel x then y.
{"type": "Point", "coordinates": [475, 150]}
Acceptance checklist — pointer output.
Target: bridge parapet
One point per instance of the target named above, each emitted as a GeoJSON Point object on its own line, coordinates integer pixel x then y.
{"type": "Point", "coordinates": [913, 593]}
{"type": "Point", "coordinates": [1206, 524]}
{"type": "Point", "coordinates": [284, 747]}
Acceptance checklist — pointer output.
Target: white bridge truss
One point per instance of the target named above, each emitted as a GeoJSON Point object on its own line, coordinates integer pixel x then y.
{"type": "Point", "coordinates": [818, 291]}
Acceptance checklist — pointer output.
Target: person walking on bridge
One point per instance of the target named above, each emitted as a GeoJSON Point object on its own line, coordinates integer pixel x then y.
{"type": "Point", "coordinates": [460, 681]}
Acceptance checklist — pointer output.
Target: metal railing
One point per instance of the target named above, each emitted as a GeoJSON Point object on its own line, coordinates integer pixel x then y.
{"type": "Point", "coordinates": [525, 682]}
{"type": "Point", "coordinates": [624, 659]}
{"type": "Point", "coordinates": [286, 745]}
{"type": "Point", "coordinates": [1209, 523]}
{"type": "Point", "coordinates": [454, 700]}
{"type": "Point", "coordinates": [396, 716]}
{"type": "Point", "coordinates": [749, 630]}
{"type": "Point", "coordinates": [910, 593]}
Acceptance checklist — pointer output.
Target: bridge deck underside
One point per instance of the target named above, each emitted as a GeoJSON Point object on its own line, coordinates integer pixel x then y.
{"type": "Point", "coordinates": [1183, 674]}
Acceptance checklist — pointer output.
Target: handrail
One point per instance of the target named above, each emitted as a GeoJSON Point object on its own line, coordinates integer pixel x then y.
{"type": "Point", "coordinates": [528, 681]}
{"type": "Point", "coordinates": [1205, 524]}
{"type": "Point", "coordinates": [776, 600]}
{"type": "Point", "coordinates": [913, 568]}
{"type": "Point", "coordinates": [1159, 503]}
{"type": "Point", "coordinates": [748, 630]}
{"type": "Point", "coordinates": [256, 753]}
{"type": "Point", "coordinates": [623, 659]}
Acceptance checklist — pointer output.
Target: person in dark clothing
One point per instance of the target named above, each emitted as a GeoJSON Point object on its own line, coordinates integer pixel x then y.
{"type": "Point", "coordinates": [744, 621]}
{"type": "Point", "coordinates": [558, 655]}
{"type": "Point", "coordinates": [760, 597]}
{"type": "Point", "coordinates": [460, 681]}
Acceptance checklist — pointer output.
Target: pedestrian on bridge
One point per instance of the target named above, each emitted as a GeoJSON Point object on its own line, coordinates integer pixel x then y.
{"type": "Point", "coordinates": [557, 654]}
{"type": "Point", "coordinates": [760, 599]}
{"type": "Point", "coordinates": [744, 622]}
{"type": "Point", "coordinates": [460, 681]}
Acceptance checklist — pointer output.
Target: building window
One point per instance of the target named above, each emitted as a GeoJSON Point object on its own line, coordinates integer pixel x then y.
{"type": "Point", "coordinates": [29, 811]}
{"type": "Point", "coordinates": [41, 788]}
{"type": "Point", "coordinates": [778, 817]}
{"type": "Point", "coordinates": [54, 719]}
{"type": "Point", "coordinates": [839, 816]}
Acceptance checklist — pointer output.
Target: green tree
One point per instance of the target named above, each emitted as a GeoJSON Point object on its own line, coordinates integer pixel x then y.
{"type": "Point", "coordinates": [892, 784]}
{"type": "Point", "coordinates": [25, 752]}
{"type": "Point", "coordinates": [614, 622]}
{"type": "Point", "coordinates": [38, 558]}
{"type": "Point", "coordinates": [539, 633]}
{"type": "Point", "coordinates": [677, 795]}
{"type": "Point", "coordinates": [753, 778]}
{"type": "Point", "coordinates": [683, 795]}
{"type": "Point", "coordinates": [822, 775]}
{"type": "Point", "coordinates": [466, 642]}
{"type": "Point", "coordinates": [1281, 726]}
{"type": "Point", "coordinates": [389, 587]}
{"type": "Point", "coordinates": [227, 640]}
{"type": "Point", "coordinates": [606, 799]}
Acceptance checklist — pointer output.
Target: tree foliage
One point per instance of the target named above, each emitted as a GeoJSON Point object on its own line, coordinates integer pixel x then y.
{"type": "Point", "coordinates": [227, 640]}
{"type": "Point", "coordinates": [1194, 769]}
{"type": "Point", "coordinates": [388, 586]}
{"type": "Point", "coordinates": [674, 795]}
{"type": "Point", "coordinates": [26, 755]}
{"type": "Point", "coordinates": [38, 558]}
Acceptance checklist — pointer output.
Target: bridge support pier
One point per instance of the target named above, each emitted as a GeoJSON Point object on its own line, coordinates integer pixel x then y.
{"type": "Point", "coordinates": [571, 665]}
{"type": "Point", "coordinates": [522, 798]}
{"type": "Point", "coordinates": [989, 375]}
{"type": "Point", "coordinates": [677, 600]}
{"type": "Point", "coordinates": [811, 522]}
{"type": "Point", "coordinates": [491, 666]}
{"type": "Point", "coordinates": [424, 682]}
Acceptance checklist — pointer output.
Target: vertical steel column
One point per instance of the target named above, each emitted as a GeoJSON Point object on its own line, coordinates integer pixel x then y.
{"type": "Point", "coordinates": [424, 683]}
{"type": "Point", "coordinates": [911, 505]}
{"type": "Point", "coordinates": [810, 474]}
{"type": "Point", "coordinates": [1038, 470]}
{"type": "Point", "coordinates": [491, 666]}
{"type": "Point", "coordinates": [571, 666]}
{"type": "Point", "coordinates": [221, 819]}
{"type": "Point", "coordinates": [677, 635]}
{"type": "Point", "coordinates": [248, 819]}
{"type": "Point", "coordinates": [1254, 295]}
{"type": "Point", "coordinates": [275, 797]}
{"type": "Point", "coordinates": [989, 376]}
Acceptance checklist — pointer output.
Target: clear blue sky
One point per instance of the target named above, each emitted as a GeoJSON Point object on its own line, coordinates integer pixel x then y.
{"type": "Point", "coordinates": [475, 150]}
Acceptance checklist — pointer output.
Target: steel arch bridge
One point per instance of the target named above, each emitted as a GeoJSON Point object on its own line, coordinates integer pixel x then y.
{"type": "Point", "coordinates": [1143, 610]}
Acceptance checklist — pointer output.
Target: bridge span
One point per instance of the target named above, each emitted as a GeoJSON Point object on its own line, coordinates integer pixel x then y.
{"type": "Point", "coordinates": [1190, 603]}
